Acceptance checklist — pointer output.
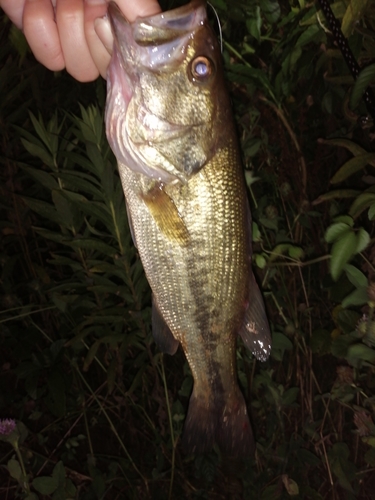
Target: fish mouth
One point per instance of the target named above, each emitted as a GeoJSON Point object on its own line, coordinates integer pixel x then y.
{"type": "Point", "coordinates": [140, 137]}
{"type": "Point", "coordinates": [159, 39]}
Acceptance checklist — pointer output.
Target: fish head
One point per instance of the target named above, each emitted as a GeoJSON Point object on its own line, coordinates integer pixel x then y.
{"type": "Point", "coordinates": [166, 100]}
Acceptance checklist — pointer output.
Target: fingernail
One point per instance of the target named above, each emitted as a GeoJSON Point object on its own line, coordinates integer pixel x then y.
{"type": "Point", "coordinates": [102, 28]}
{"type": "Point", "coordinates": [95, 2]}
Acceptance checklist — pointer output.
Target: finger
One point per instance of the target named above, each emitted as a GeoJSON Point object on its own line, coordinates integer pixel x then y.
{"type": "Point", "coordinates": [14, 10]}
{"type": "Point", "coordinates": [131, 11]}
{"type": "Point", "coordinates": [41, 33]}
{"type": "Point", "coordinates": [141, 8]}
{"type": "Point", "coordinates": [93, 10]}
{"type": "Point", "coordinates": [77, 56]}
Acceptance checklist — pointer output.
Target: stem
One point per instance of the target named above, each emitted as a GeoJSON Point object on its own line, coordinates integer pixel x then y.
{"type": "Point", "coordinates": [26, 314]}
{"type": "Point", "coordinates": [20, 459]}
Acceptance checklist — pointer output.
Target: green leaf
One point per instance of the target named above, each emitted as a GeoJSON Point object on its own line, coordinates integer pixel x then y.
{"type": "Point", "coordinates": [94, 245]}
{"type": "Point", "coordinates": [347, 320]}
{"type": "Point", "coordinates": [39, 152]}
{"type": "Point", "coordinates": [308, 35]}
{"type": "Point", "coordinates": [17, 38]}
{"type": "Point", "coordinates": [361, 203]}
{"type": "Point", "coordinates": [44, 178]}
{"type": "Point", "coordinates": [255, 233]}
{"type": "Point", "coordinates": [51, 235]}
{"type": "Point", "coordinates": [78, 181]}
{"type": "Point", "coordinates": [340, 346]}
{"type": "Point", "coordinates": [220, 4]}
{"type": "Point", "coordinates": [91, 355]}
{"type": "Point", "coordinates": [346, 219]}
{"type": "Point", "coordinates": [45, 485]}
{"type": "Point", "coordinates": [290, 396]}
{"type": "Point", "coordinates": [336, 194]}
{"type": "Point", "coordinates": [307, 457]}
{"type": "Point", "coordinates": [271, 492]}
{"type": "Point", "coordinates": [290, 485]}
{"type": "Point", "coordinates": [260, 261]}
{"type": "Point", "coordinates": [335, 231]}
{"type": "Point", "coordinates": [342, 251]}
{"type": "Point", "coordinates": [363, 240]}
{"type": "Point", "coordinates": [354, 12]}
{"type": "Point", "coordinates": [281, 341]}
{"type": "Point", "coordinates": [352, 166]}
{"type": "Point", "coordinates": [63, 208]}
{"type": "Point", "coordinates": [40, 129]}
{"type": "Point", "coordinates": [344, 470]}
{"type": "Point", "coordinates": [271, 10]}
{"type": "Point", "coordinates": [358, 353]}
{"type": "Point", "coordinates": [351, 146]}
{"type": "Point", "coordinates": [58, 474]}
{"type": "Point", "coordinates": [97, 210]}
{"type": "Point", "coordinates": [355, 276]}
{"type": "Point", "coordinates": [252, 147]}
{"type": "Point", "coordinates": [42, 208]}
{"type": "Point", "coordinates": [280, 249]}
{"type": "Point", "coordinates": [371, 212]}
{"type": "Point", "coordinates": [358, 297]}
{"type": "Point", "coordinates": [295, 252]}
{"type": "Point", "coordinates": [364, 79]}
{"type": "Point", "coordinates": [14, 469]}
{"type": "Point", "coordinates": [254, 24]}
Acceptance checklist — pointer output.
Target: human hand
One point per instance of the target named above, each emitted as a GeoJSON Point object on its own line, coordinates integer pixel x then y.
{"type": "Point", "coordinates": [70, 34]}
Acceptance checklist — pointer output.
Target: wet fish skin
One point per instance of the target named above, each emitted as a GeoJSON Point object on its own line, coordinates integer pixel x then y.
{"type": "Point", "coordinates": [169, 122]}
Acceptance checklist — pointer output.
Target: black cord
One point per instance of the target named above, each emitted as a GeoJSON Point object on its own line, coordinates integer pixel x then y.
{"type": "Point", "coordinates": [347, 54]}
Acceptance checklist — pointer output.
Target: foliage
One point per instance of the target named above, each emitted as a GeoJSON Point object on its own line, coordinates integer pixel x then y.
{"type": "Point", "coordinates": [99, 410]}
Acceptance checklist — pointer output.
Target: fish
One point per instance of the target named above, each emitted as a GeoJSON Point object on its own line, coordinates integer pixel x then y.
{"type": "Point", "coordinates": [170, 125]}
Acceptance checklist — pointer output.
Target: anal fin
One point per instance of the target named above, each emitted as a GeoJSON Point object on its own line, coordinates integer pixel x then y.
{"type": "Point", "coordinates": [255, 330]}
{"type": "Point", "coordinates": [162, 334]}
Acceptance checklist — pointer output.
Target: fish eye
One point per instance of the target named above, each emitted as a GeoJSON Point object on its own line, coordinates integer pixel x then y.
{"type": "Point", "coordinates": [201, 68]}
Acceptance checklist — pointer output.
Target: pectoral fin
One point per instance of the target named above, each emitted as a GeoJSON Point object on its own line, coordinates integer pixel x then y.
{"type": "Point", "coordinates": [165, 214]}
{"type": "Point", "coordinates": [255, 331]}
{"type": "Point", "coordinates": [163, 336]}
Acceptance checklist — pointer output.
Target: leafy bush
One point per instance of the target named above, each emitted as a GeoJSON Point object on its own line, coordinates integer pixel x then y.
{"type": "Point", "coordinates": [98, 410]}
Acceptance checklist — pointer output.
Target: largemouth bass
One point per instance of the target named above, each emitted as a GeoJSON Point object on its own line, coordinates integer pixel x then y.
{"type": "Point", "coordinates": [170, 125]}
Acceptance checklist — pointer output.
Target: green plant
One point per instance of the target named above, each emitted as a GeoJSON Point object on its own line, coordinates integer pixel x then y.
{"type": "Point", "coordinates": [100, 410]}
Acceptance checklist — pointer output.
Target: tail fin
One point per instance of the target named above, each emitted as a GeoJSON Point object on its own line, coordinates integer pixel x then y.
{"type": "Point", "coordinates": [223, 420]}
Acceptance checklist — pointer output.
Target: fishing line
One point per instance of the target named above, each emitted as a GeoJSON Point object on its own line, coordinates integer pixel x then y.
{"type": "Point", "coordinates": [219, 25]}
